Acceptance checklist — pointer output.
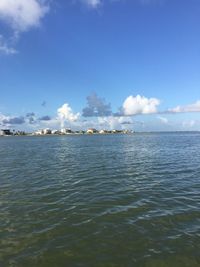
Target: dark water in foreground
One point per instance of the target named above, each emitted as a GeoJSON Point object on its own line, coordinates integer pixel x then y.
{"type": "Point", "coordinates": [105, 201]}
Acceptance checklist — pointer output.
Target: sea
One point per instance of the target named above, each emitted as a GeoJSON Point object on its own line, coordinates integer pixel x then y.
{"type": "Point", "coordinates": [100, 200]}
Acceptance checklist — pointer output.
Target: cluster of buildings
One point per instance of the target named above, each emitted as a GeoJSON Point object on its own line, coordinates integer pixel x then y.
{"type": "Point", "coordinates": [89, 131]}
{"type": "Point", "coordinates": [47, 131]}
{"type": "Point", "coordinates": [8, 132]}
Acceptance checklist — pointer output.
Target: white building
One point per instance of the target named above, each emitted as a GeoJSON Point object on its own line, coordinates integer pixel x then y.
{"type": "Point", "coordinates": [55, 132]}
{"type": "Point", "coordinates": [43, 132]}
{"type": "Point", "coordinates": [103, 131]}
{"type": "Point", "coordinates": [5, 132]}
{"type": "Point", "coordinates": [39, 132]}
{"type": "Point", "coordinates": [46, 131]}
{"type": "Point", "coordinates": [66, 131]}
{"type": "Point", "coordinates": [91, 131]}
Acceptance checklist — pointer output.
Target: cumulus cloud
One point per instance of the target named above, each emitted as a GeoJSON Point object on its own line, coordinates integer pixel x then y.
{"type": "Point", "coordinates": [20, 16]}
{"type": "Point", "coordinates": [65, 114]}
{"type": "Point", "coordinates": [96, 107]}
{"type": "Point", "coordinates": [134, 105]}
{"type": "Point", "coordinates": [195, 107]}
{"type": "Point", "coordinates": [13, 120]}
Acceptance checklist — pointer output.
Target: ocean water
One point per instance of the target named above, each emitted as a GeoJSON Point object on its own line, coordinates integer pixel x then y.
{"type": "Point", "coordinates": [100, 200]}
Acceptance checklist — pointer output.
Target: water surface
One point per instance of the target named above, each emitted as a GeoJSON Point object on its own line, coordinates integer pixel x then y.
{"type": "Point", "coordinates": [100, 200]}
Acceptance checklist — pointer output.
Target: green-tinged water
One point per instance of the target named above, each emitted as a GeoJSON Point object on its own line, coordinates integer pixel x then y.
{"type": "Point", "coordinates": [100, 201]}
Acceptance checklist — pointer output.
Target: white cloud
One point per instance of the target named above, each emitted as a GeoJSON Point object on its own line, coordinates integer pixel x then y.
{"type": "Point", "coordinates": [195, 107]}
{"type": "Point", "coordinates": [5, 48]}
{"type": "Point", "coordinates": [22, 15]}
{"type": "Point", "coordinates": [134, 105]}
{"type": "Point", "coordinates": [113, 123]}
{"type": "Point", "coordinates": [65, 114]}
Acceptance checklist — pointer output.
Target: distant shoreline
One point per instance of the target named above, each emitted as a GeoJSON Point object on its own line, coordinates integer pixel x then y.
{"type": "Point", "coordinates": [100, 134]}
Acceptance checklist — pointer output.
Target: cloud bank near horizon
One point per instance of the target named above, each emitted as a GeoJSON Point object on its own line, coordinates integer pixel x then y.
{"type": "Point", "coordinates": [99, 113]}
{"type": "Point", "coordinates": [194, 107]}
{"type": "Point", "coordinates": [134, 105]}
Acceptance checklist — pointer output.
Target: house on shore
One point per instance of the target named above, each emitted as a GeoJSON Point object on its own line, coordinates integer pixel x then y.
{"type": "Point", "coordinates": [46, 131]}
{"type": "Point", "coordinates": [91, 131]}
{"type": "Point", "coordinates": [5, 132]}
{"type": "Point", "coordinates": [104, 131]}
{"type": "Point", "coordinates": [66, 131]}
{"type": "Point", "coordinates": [43, 132]}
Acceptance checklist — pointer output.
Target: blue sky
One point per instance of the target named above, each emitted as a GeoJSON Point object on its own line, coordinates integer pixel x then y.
{"type": "Point", "coordinates": [141, 56]}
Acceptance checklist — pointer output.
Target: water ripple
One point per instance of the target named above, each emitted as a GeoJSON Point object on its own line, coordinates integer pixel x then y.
{"type": "Point", "coordinates": [116, 200]}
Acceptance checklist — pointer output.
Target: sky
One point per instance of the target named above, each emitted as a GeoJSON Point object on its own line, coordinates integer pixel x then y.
{"type": "Point", "coordinates": [125, 64]}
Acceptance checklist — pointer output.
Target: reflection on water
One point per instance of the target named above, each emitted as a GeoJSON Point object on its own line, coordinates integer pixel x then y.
{"type": "Point", "coordinates": [115, 200]}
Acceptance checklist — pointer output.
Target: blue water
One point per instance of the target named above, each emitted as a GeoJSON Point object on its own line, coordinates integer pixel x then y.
{"type": "Point", "coordinates": [100, 200]}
